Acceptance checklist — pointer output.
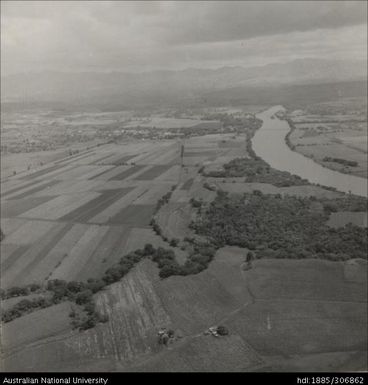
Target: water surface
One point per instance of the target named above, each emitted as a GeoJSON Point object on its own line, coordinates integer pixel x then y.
{"type": "Point", "coordinates": [269, 144]}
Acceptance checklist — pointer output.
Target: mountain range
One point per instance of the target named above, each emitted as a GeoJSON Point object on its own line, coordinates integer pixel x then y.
{"type": "Point", "coordinates": [168, 86]}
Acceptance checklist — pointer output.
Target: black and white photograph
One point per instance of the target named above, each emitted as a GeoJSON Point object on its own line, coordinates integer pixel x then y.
{"type": "Point", "coordinates": [183, 189]}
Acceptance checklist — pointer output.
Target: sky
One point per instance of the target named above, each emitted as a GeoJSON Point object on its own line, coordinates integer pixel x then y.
{"type": "Point", "coordinates": [140, 36]}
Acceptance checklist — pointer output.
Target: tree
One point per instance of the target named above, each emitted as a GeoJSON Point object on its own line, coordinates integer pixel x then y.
{"type": "Point", "coordinates": [167, 270]}
{"type": "Point", "coordinates": [75, 287]}
{"type": "Point", "coordinates": [83, 297]}
{"type": "Point", "coordinates": [16, 291]}
{"type": "Point", "coordinates": [89, 307]}
{"type": "Point", "coordinates": [95, 285]}
{"type": "Point", "coordinates": [34, 287]}
{"type": "Point", "coordinates": [250, 256]}
{"type": "Point", "coordinates": [222, 330]}
{"type": "Point", "coordinates": [89, 323]}
{"type": "Point", "coordinates": [148, 249]}
{"type": "Point", "coordinates": [174, 242]}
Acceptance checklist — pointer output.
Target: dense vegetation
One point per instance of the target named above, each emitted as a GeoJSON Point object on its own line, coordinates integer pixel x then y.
{"type": "Point", "coordinates": [54, 292]}
{"type": "Point", "coordinates": [165, 199]}
{"type": "Point", "coordinates": [237, 123]}
{"type": "Point", "coordinates": [81, 293]}
{"type": "Point", "coordinates": [255, 169]}
{"type": "Point", "coordinates": [345, 162]}
{"type": "Point", "coordinates": [278, 227]}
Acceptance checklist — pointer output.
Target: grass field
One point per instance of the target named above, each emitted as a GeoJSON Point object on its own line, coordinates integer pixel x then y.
{"type": "Point", "coordinates": [268, 328]}
{"type": "Point", "coordinates": [335, 131]}
{"type": "Point", "coordinates": [342, 218]}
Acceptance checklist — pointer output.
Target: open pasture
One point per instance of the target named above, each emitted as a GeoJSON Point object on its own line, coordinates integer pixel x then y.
{"type": "Point", "coordinates": [342, 218]}
{"type": "Point", "coordinates": [267, 328]}
{"type": "Point", "coordinates": [22, 330]}
{"type": "Point", "coordinates": [174, 219]}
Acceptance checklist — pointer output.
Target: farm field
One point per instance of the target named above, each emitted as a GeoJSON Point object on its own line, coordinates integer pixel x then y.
{"type": "Point", "coordinates": [260, 319]}
{"type": "Point", "coordinates": [165, 123]}
{"type": "Point", "coordinates": [333, 130]}
{"type": "Point", "coordinates": [74, 219]}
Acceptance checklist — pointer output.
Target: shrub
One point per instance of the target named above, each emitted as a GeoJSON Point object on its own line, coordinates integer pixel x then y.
{"type": "Point", "coordinates": [195, 203]}
{"type": "Point", "coordinates": [83, 297]}
{"type": "Point", "coordinates": [75, 287]}
{"type": "Point", "coordinates": [222, 330]}
{"type": "Point", "coordinates": [148, 249]}
{"type": "Point", "coordinates": [95, 285]}
{"type": "Point", "coordinates": [174, 242]}
{"type": "Point", "coordinates": [34, 287]}
{"type": "Point", "coordinates": [16, 291]}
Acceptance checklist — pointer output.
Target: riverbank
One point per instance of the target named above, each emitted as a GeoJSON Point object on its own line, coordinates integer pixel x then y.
{"type": "Point", "coordinates": [269, 144]}
{"type": "Point", "coordinates": [339, 167]}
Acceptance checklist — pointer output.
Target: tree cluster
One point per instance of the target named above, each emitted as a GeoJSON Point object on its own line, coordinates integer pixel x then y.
{"type": "Point", "coordinates": [256, 170]}
{"type": "Point", "coordinates": [17, 291]}
{"type": "Point", "coordinates": [164, 199]}
{"type": "Point", "coordinates": [278, 227]}
{"type": "Point", "coordinates": [345, 162]}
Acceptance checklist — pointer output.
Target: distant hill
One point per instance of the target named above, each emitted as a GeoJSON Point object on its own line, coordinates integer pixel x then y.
{"type": "Point", "coordinates": [171, 87]}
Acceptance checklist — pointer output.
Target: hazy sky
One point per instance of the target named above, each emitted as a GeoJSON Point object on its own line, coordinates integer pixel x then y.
{"type": "Point", "coordinates": [139, 36]}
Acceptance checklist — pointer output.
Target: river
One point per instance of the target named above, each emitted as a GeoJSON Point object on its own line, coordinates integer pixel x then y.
{"type": "Point", "coordinates": [269, 144]}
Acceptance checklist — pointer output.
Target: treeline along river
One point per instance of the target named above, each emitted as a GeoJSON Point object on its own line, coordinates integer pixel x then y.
{"type": "Point", "coordinates": [269, 144]}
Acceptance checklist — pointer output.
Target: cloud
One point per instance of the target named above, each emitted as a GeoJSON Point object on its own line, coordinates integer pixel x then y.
{"type": "Point", "coordinates": [113, 35]}
{"type": "Point", "coordinates": [226, 21]}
